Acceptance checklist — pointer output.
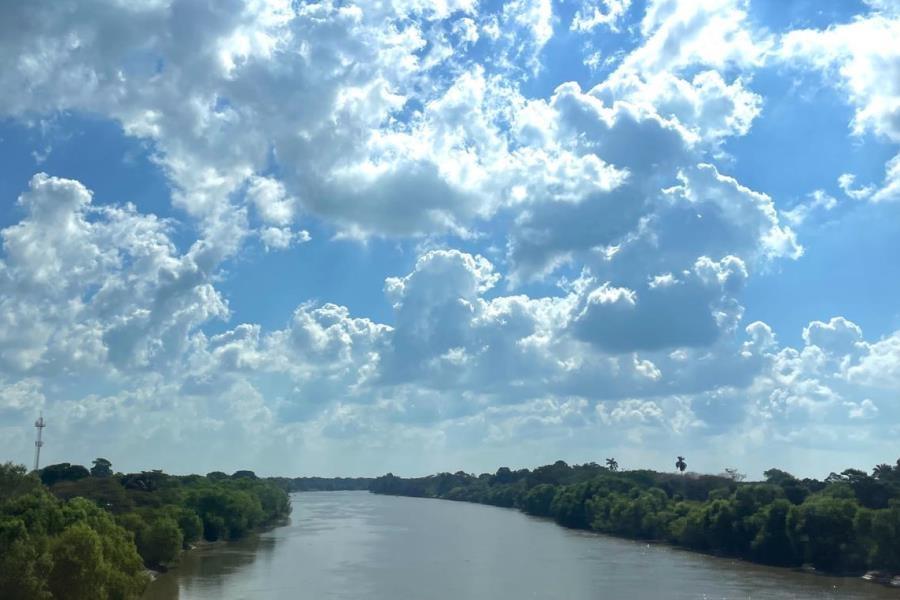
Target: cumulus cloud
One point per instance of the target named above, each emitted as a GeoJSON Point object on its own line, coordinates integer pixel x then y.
{"type": "Point", "coordinates": [456, 354]}
{"type": "Point", "coordinates": [862, 61]}
{"type": "Point", "coordinates": [222, 91]}
{"type": "Point", "coordinates": [679, 34]}
{"type": "Point", "coordinates": [689, 312]}
{"type": "Point", "coordinates": [707, 104]}
{"type": "Point", "coordinates": [80, 284]}
{"type": "Point", "coordinates": [425, 120]}
{"type": "Point", "coordinates": [24, 396]}
{"type": "Point", "coordinates": [838, 336]}
{"type": "Point", "coordinates": [880, 365]}
{"type": "Point", "coordinates": [595, 13]}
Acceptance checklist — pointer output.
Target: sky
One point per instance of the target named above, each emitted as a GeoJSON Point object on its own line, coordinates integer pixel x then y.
{"type": "Point", "coordinates": [340, 238]}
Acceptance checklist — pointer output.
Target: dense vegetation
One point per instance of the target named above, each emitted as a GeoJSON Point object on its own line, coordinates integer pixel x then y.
{"type": "Point", "coordinates": [321, 484]}
{"type": "Point", "coordinates": [69, 532]}
{"type": "Point", "coordinates": [848, 523]}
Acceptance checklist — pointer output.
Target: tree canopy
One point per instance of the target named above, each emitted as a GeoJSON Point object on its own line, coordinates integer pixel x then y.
{"type": "Point", "coordinates": [66, 532]}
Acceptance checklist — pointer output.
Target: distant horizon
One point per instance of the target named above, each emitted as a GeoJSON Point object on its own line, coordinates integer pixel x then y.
{"type": "Point", "coordinates": [622, 468]}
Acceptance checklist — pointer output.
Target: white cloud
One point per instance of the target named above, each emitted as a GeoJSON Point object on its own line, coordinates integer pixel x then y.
{"type": "Point", "coordinates": [683, 33]}
{"type": "Point", "coordinates": [280, 238]}
{"type": "Point", "coordinates": [846, 181]}
{"type": "Point", "coordinates": [80, 284]}
{"type": "Point", "coordinates": [862, 57]}
{"type": "Point", "coordinates": [222, 93]}
{"type": "Point", "coordinates": [693, 313]}
{"type": "Point", "coordinates": [707, 105]}
{"type": "Point", "coordinates": [420, 119]}
{"type": "Point", "coordinates": [536, 18]}
{"type": "Point", "coordinates": [24, 396]}
{"type": "Point", "coordinates": [455, 361]}
{"type": "Point", "coordinates": [890, 189]}
{"type": "Point", "coordinates": [272, 202]}
{"type": "Point", "coordinates": [594, 13]}
{"type": "Point", "coordinates": [631, 411]}
{"type": "Point", "coordinates": [838, 336]}
{"type": "Point", "coordinates": [880, 366]}
{"type": "Point", "coordinates": [816, 202]}
{"type": "Point", "coordinates": [861, 410]}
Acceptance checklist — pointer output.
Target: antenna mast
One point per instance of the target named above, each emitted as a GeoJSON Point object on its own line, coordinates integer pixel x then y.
{"type": "Point", "coordinates": [39, 424]}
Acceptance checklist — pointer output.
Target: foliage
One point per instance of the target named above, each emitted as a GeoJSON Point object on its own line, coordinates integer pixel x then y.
{"type": "Point", "coordinates": [62, 472]}
{"type": "Point", "coordinates": [848, 523]}
{"type": "Point", "coordinates": [101, 468]}
{"type": "Point", "coordinates": [51, 548]}
{"type": "Point", "coordinates": [90, 535]}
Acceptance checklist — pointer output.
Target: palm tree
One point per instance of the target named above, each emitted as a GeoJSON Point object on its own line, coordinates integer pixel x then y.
{"type": "Point", "coordinates": [881, 471]}
{"type": "Point", "coordinates": [680, 464]}
{"type": "Point", "coordinates": [611, 464]}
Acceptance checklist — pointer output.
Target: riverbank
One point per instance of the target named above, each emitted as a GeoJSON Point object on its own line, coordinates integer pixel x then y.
{"type": "Point", "coordinates": [351, 545]}
{"type": "Point", "coordinates": [846, 525]}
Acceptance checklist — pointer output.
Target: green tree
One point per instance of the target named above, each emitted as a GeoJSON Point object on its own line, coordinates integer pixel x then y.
{"type": "Point", "coordinates": [23, 561]}
{"type": "Point", "coordinates": [822, 531]}
{"type": "Point", "coordinates": [538, 499]}
{"type": "Point", "coordinates": [101, 468]}
{"type": "Point", "coordinates": [190, 525]}
{"type": "Point", "coordinates": [124, 575]}
{"type": "Point", "coordinates": [15, 481]}
{"type": "Point", "coordinates": [161, 541]}
{"type": "Point", "coordinates": [503, 475]}
{"type": "Point", "coordinates": [65, 542]}
{"type": "Point", "coordinates": [771, 544]}
{"type": "Point", "coordinates": [78, 571]}
{"type": "Point", "coordinates": [106, 492]}
{"type": "Point", "coordinates": [62, 472]}
{"type": "Point", "coordinates": [882, 471]}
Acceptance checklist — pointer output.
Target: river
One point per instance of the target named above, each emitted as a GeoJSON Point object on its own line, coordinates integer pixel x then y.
{"type": "Point", "coordinates": [342, 545]}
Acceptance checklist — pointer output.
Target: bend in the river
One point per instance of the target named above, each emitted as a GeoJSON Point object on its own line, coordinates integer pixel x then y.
{"type": "Point", "coordinates": [342, 545]}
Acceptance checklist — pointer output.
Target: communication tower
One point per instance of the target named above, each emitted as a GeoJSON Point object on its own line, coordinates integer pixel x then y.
{"type": "Point", "coordinates": [39, 425]}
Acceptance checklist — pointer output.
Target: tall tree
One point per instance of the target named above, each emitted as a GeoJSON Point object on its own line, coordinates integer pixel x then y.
{"type": "Point", "coordinates": [101, 468]}
{"type": "Point", "coordinates": [680, 464]}
{"type": "Point", "coordinates": [882, 471]}
{"type": "Point", "coordinates": [611, 464]}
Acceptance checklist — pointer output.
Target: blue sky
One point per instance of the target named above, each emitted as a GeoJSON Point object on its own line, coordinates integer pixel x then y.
{"type": "Point", "coordinates": [351, 238]}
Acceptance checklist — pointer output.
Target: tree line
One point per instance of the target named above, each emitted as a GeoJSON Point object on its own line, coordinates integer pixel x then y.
{"type": "Point", "coordinates": [848, 523]}
{"type": "Point", "coordinates": [71, 532]}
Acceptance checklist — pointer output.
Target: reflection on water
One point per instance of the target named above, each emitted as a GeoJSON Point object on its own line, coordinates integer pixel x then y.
{"type": "Point", "coordinates": [208, 571]}
{"type": "Point", "coordinates": [342, 545]}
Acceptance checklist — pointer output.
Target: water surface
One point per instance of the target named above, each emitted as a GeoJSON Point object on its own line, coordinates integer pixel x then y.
{"type": "Point", "coordinates": [343, 545]}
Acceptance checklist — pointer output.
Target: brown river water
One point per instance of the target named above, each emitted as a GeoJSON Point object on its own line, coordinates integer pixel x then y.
{"type": "Point", "coordinates": [342, 545]}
